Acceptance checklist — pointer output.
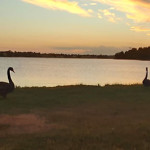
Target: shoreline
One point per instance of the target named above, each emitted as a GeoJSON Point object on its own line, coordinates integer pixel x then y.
{"type": "Point", "coordinates": [81, 85]}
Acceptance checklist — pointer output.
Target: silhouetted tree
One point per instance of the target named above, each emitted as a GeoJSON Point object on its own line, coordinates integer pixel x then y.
{"type": "Point", "coordinates": [140, 53]}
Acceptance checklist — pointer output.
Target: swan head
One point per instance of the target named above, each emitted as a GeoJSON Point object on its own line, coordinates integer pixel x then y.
{"type": "Point", "coordinates": [11, 69]}
{"type": "Point", "coordinates": [146, 68]}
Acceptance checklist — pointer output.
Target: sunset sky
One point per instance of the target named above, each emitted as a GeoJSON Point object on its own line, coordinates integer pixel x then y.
{"type": "Point", "coordinates": [71, 26]}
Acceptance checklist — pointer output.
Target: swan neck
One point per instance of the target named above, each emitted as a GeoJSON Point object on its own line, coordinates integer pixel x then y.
{"type": "Point", "coordinates": [146, 74]}
{"type": "Point", "coordinates": [9, 77]}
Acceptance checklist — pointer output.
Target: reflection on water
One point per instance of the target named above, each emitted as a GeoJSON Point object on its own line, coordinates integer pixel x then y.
{"type": "Point", "coordinates": [59, 71]}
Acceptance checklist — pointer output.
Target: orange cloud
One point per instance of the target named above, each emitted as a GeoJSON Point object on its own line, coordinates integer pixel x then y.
{"type": "Point", "coordinates": [140, 29]}
{"type": "Point", "coordinates": [93, 4]}
{"type": "Point", "coordinates": [137, 10]}
{"type": "Point", "coordinates": [64, 5]}
{"type": "Point", "coordinates": [99, 16]}
{"type": "Point", "coordinates": [90, 10]}
{"type": "Point", "coordinates": [110, 16]}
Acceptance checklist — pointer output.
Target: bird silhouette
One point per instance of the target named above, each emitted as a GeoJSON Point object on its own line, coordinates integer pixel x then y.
{"type": "Point", "coordinates": [146, 82]}
{"type": "Point", "coordinates": [5, 87]}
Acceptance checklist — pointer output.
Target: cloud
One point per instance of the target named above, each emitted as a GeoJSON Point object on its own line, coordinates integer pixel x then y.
{"type": "Point", "coordinates": [99, 16]}
{"type": "Point", "coordinates": [64, 5]}
{"type": "Point", "coordinates": [85, 4]}
{"type": "Point", "coordinates": [128, 24]}
{"type": "Point", "coordinates": [93, 4]}
{"type": "Point", "coordinates": [111, 8]}
{"type": "Point", "coordinates": [90, 10]}
{"type": "Point", "coordinates": [109, 15]}
{"type": "Point", "coordinates": [137, 10]}
{"type": "Point", "coordinates": [140, 29]}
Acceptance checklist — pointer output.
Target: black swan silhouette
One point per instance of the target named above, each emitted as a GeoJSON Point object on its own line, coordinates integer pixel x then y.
{"type": "Point", "coordinates": [5, 87]}
{"type": "Point", "coordinates": [146, 82]}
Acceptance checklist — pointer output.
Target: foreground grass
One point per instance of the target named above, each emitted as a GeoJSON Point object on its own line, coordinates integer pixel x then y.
{"type": "Point", "coordinates": [79, 117]}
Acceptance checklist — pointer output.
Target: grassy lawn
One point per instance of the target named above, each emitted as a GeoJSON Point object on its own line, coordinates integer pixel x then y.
{"type": "Point", "coordinates": [115, 117]}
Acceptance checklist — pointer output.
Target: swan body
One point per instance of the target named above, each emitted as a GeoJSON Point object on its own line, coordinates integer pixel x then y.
{"type": "Point", "coordinates": [146, 82]}
{"type": "Point", "coordinates": [5, 87]}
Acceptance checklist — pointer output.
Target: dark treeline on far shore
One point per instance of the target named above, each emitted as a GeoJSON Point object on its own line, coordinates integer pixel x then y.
{"type": "Point", "coordinates": [134, 53]}
{"type": "Point", "coordinates": [49, 55]}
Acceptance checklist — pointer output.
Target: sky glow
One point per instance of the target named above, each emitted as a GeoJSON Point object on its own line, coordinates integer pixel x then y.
{"type": "Point", "coordinates": [71, 26]}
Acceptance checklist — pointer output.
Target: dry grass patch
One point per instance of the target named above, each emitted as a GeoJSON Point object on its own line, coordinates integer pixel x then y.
{"type": "Point", "coordinates": [24, 124]}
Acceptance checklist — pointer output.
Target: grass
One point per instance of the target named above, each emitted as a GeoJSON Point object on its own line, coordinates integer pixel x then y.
{"type": "Point", "coordinates": [113, 117]}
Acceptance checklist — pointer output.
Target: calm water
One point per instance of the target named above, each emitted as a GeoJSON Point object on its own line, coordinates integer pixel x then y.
{"type": "Point", "coordinates": [55, 71]}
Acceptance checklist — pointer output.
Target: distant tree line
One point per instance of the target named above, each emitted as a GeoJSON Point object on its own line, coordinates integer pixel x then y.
{"type": "Point", "coordinates": [48, 55]}
{"type": "Point", "coordinates": [134, 53]}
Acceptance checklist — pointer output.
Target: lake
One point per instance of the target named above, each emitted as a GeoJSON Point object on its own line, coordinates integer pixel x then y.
{"type": "Point", "coordinates": [60, 71]}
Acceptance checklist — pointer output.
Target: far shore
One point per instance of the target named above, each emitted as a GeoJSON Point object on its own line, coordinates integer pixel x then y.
{"type": "Point", "coordinates": [53, 55]}
{"type": "Point", "coordinates": [132, 54]}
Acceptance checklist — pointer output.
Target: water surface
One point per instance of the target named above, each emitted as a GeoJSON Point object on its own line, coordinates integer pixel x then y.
{"type": "Point", "coordinates": [60, 71]}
